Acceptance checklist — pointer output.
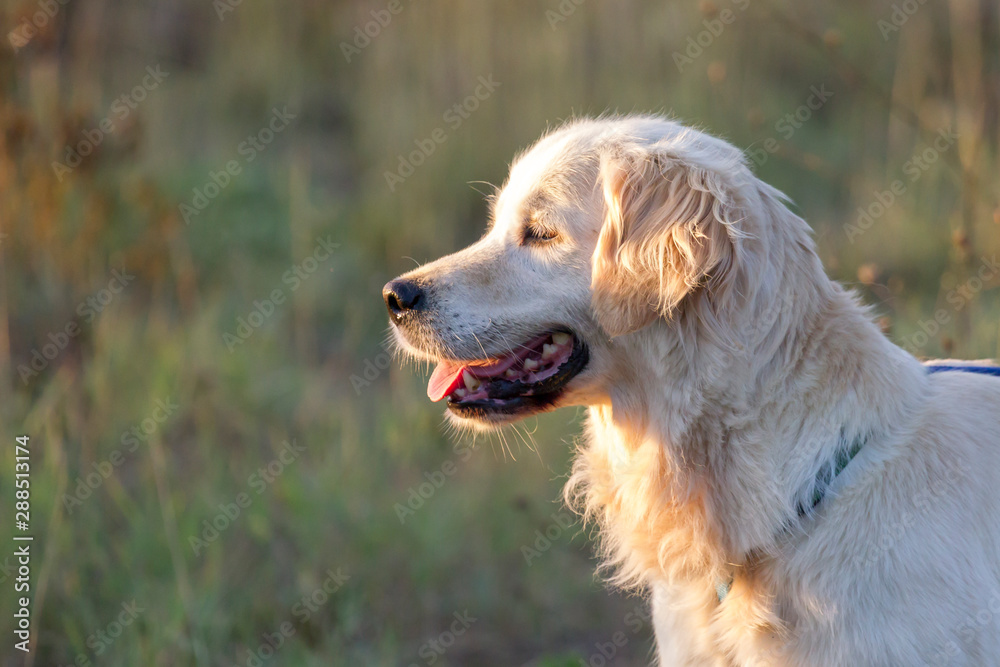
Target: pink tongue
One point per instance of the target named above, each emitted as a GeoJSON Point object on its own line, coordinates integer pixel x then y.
{"type": "Point", "coordinates": [447, 376]}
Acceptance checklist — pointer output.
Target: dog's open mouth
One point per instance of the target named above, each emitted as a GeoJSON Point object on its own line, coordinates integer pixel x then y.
{"type": "Point", "coordinates": [528, 379]}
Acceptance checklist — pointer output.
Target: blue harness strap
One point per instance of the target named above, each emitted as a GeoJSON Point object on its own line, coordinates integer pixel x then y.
{"type": "Point", "coordinates": [844, 457]}
{"type": "Point", "coordinates": [982, 370]}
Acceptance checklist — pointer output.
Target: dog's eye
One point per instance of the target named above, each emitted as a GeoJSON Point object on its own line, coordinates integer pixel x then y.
{"type": "Point", "coordinates": [534, 234]}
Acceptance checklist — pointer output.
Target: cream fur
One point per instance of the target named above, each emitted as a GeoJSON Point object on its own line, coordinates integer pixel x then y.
{"type": "Point", "coordinates": [726, 371]}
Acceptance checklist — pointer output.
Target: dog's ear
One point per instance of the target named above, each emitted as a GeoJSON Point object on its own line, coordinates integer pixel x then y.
{"type": "Point", "coordinates": [666, 235]}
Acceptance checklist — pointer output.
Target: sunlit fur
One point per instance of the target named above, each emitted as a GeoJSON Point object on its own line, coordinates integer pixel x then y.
{"type": "Point", "coordinates": [726, 372]}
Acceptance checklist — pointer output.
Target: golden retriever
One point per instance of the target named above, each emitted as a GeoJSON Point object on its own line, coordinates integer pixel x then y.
{"type": "Point", "coordinates": [787, 485]}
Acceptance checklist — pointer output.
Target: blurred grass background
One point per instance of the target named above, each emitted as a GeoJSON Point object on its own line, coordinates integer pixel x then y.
{"type": "Point", "coordinates": [315, 371]}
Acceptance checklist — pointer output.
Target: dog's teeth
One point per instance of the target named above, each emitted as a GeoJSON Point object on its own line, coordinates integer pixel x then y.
{"type": "Point", "coordinates": [459, 392]}
{"type": "Point", "coordinates": [472, 383]}
{"type": "Point", "coordinates": [531, 364]}
{"type": "Point", "coordinates": [510, 374]}
{"type": "Point", "coordinates": [560, 338]}
{"type": "Point", "coordinates": [549, 351]}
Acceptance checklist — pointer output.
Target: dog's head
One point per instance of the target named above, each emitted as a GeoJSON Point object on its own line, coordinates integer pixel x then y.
{"type": "Point", "coordinates": [604, 229]}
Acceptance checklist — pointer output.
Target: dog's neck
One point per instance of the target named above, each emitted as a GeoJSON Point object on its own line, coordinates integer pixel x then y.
{"type": "Point", "coordinates": [703, 459]}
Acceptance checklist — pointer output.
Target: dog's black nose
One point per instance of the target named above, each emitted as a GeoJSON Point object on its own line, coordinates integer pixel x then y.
{"type": "Point", "coordinates": [401, 297]}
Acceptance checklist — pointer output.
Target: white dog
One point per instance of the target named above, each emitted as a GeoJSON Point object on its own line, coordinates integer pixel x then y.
{"type": "Point", "coordinates": [788, 486]}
